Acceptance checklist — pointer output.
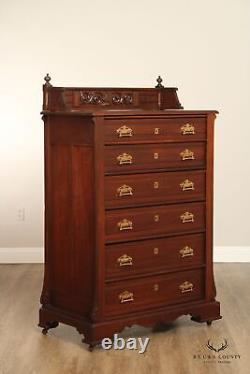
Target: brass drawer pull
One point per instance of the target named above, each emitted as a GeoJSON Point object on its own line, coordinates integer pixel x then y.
{"type": "Point", "coordinates": [124, 158]}
{"type": "Point", "coordinates": [187, 155]}
{"type": "Point", "coordinates": [156, 218]}
{"type": "Point", "coordinates": [186, 287]}
{"type": "Point", "coordinates": [125, 260]}
{"type": "Point", "coordinates": [124, 132]}
{"type": "Point", "coordinates": [187, 185]}
{"type": "Point", "coordinates": [188, 129]}
{"type": "Point", "coordinates": [157, 131]}
{"type": "Point", "coordinates": [187, 217]}
{"type": "Point", "coordinates": [125, 190]}
{"type": "Point", "coordinates": [186, 251]}
{"type": "Point", "coordinates": [126, 297]}
{"type": "Point", "coordinates": [125, 224]}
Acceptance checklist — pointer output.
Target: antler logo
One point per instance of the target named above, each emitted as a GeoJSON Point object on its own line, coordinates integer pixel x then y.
{"type": "Point", "coordinates": [224, 345]}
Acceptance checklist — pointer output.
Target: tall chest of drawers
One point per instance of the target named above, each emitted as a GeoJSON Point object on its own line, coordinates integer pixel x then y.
{"type": "Point", "coordinates": [128, 210]}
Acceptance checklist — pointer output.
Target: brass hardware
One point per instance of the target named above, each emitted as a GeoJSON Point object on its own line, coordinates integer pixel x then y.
{"type": "Point", "coordinates": [187, 185]}
{"type": "Point", "coordinates": [186, 251]}
{"type": "Point", "coordinates": [157, 131]}
{"type": "Point", "coordinates": [156, 251]}
{"type": "Point", "coordinates": [124, 158]}
{"type": "Point", "coordinates": [187, 155]}
{"type": "Point", "coordinates": [156, 217]}
{"type": "Point", "coordinates": [125, 260]}
{"type": "Point", "coordinates": [187, 217]}
{"type": "Point", "coordinates": [156, 155]}
{"type": "Point", "coordinates": [125, 224]}
{"type": "Point", "coordinates": [125, 190]}
{"type": "Point", "coordinates": [156, 185]}
{"type": "Point", "coordinates": [124, 132]}
{"type": "Point", "coordinates": [186, 287]}
{"type": "Point", "coordinates": [126, 296]}
{"type": "Point", "coordinates": [188, 129]}
{"type": "Point", "coordinates": [156, 287]}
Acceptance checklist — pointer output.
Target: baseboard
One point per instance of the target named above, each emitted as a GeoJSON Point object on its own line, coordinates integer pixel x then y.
{"type": "Point", "coordinates": [35, 255]}
{"type": "Point", "coordinates": [27, 255]}
{"type": "Point", "coordinates": [232, 254]}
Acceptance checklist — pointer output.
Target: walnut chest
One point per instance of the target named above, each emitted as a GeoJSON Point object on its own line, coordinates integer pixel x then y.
{"type": "Point", "coordinates": [128, 209]}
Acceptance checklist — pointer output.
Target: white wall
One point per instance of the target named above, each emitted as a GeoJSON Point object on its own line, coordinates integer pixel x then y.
{"type": "Point", "coordinates": [202, 47]}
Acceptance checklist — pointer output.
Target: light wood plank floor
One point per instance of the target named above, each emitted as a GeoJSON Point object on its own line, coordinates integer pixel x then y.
{"type": "Point", "coordinates": [24, 350]}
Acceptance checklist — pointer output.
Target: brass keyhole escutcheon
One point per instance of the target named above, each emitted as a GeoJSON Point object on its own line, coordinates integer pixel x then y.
{"type": "Point", "coordinates": [156, 155]}
{"type": "Point", "coordinates": [156, 251]}
{"type": "Point", "coordinates": [156, 217]}
{"type": "Point", "coordinates": [157, 131]}
{"type": "Point", "coordinates": [156, 287]}
{"type": "Point", "coordinates": [156, 185]}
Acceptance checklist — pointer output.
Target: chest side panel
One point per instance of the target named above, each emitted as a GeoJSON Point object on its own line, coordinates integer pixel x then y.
{"type": "Point", "coordinates": [69, 213]}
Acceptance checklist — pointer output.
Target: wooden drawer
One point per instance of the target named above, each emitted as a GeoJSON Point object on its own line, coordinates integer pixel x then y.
{"type": "Point", "coordinates": [129, 224]}
{"type": "Point", "coordinates": [154, 130]}
{"type": "Point", "coordinates": [151, 188]}
{"type": "Point", "coordinates": [148, 256]}
{"type": "Point", "coordinates": [126, 158]}
{"type": "Point", "coordinates": [145, 293]}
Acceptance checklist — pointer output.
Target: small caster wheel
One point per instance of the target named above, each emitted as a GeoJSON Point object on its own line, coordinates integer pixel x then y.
{"type": "Point", "coordinates": [49, 325]}
{"type": "Point", "coordinates": [44, 331]}
{"type": "Point", "coordinates": [209, 323]}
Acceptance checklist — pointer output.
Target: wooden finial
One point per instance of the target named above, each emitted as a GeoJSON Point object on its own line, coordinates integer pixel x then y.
{"type": "Point", "coordinates": [47, 80]}
{"type": "Point", "coordinates": [159, 80]}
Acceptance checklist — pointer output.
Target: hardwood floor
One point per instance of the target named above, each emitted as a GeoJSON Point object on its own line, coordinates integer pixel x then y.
{"type": "Point", "coordinates": [24, 350]}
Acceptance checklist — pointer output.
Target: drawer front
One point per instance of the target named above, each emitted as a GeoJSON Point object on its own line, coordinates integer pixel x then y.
{"type": "Point", "coordinates": [132, 295]}
{"type": "Point", "coordinates": [128, 259]}
{"type": "Point", "coordinates": [154, 130]}
{"type": "Point", "coordinates": [127, 190]}
{"type": "Point", "coordinates": [129, 224]}
{"type": "Point", "coordinates": [125, 158]}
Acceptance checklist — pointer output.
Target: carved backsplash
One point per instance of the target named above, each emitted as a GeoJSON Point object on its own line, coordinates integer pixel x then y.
{"type": "Point", "coordinates": [92, 98]}
{"type": "Point", "coordinates": [100, 98]}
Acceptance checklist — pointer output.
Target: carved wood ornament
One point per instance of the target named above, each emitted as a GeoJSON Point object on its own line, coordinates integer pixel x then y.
{"type": "Point", "coordinates": [98, 98]}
